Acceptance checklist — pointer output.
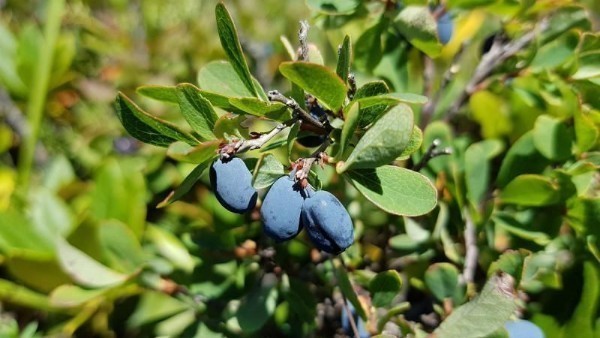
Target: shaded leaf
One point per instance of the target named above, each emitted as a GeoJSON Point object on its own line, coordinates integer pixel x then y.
{"type": "Point", "coordinates": [477, 168]}
{"type": "Point", "coordinates": [171, 248]}
{"type": "Point", "coordinates": [442, 280]}
{"type": "Point", "coordinates": [267, 171]}
{"type": "Point", "coordinates": [521, 158]}
{"type": "Point", "coordinates": [318, 81]}
{"type": "Point", "coordinates": [552, 138]}
{"type": "Point", "coordinates": [419, 27]}
{"type": "Point", "coordinates": [414, 144]}
{"type": "Point", "coordinates": [344, 58]}
{"type": "Point", "coordinates": [384, 287]}
{"type": "Point", "coordinates": [257, 307]}
{"type": "Point", "coordinates": [147, 128]}
{"type": "Point", "coordinates": [530, 190]}
{"type": "Point", "coordinates": [233, 49]}
{"type": "Point", "coordinates": [197, 111]}
{"type": "Point", "coordinates": [384, 141]}
{"type": "Point", "coordinates": [485, 314]}
{"type": "Point", "coordinates": [367, 49]}
{"type": "Point", "coordinates": [345, 285]}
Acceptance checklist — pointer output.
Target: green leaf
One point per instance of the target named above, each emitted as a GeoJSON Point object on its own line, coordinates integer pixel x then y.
{"type": "Point", "coordinates": [530, 190]}
{"type": "Point", "coordinates": [585, 315]}
{"type": "Point", "coordinates": [85, 270]}
{"type": "Point", "coordinates": [233, 49]}
{"type": "Point", "coordinates": [49, 214]}
{"type": "Point", "coordinates": [583, 214]}
{"type": "Point", "coordinates": [291, 138]}
{"type": "Point", "coordinates": [414, 144]}
{"type": "Point", "coordinates": [491, 112]}
{"type": "Point", "coordinates": [197, 111]}
{"type": "Point", "coordinates": [272, 110]}
{"type": "Point", "coordinates": [171, 248]}
{"type": "Point", "coordinates": [396, 190]}
{"type": "Point", "coordinates": [477, 168]}
{"type": "Point", "coordinates": [521, 158]}
{"type": "Point", "coordinates": [186, 185]}
{"type": "Point", "coordinates": [367, 49]}
{"type": "Point", "coordinates": [159, 93]}
{"type": "Point", "coordinates": [256, 308]}
{"type": "Point", "coordinates": [370, 114]}
{"type": "Point", "coordinates": [442, 280]}
{"type": "Point", "coordinates": [120, 193]}
{"type": "Point", "coordinates": [27, 269]}
{"type": "Point", "coordinates": [350, 124]}
{"type": "Point", "coordinates": [148, 128]}
{"type": "Point", "coordinates": [419, 27]}
{"type": "Point", "coordinates": [586, 132]}
{"type": "Point", "coordinates": [334, 7]}
{"type": "Point", "coordinates": [384, 141]}
{"type": "Point", "coordinates": [19, 236]}
{"type": "Point", "coordinates": [200, 153]}
{"type": "Point", "coordinates": [344, 58]}
{"type": "Point", "coordinates": [318, 81]}
{"type": "Point", "coordinates": [511, 225]}
{"type": "Point", "coordinates": [220, 78]}
{"type": "Point", "coordinates": [552, 138]}
{"type": "Point", "coordinates": [16, 294]}
{"type": "Point", "coordinates": [121, 249]}
{"type": "Point", "coordinates": [343, 281]}
{"type": "Point", "coordinates": [73, 296]}
{"type": "Point", "coordinates": [483, 315]}
{"type": "Point", "coordinates": [268, 170]}
{"type": "Point", "coordinates": [154, 306]}
{"type": "Point", "coordinates": [391, 98]}
{"type": "Point", "coordinates": [384, 287]}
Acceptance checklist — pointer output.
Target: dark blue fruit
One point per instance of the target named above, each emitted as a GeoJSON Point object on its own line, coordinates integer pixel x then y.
{"type": "Point", "coordinates": [328, 223]}
{"type": "Point", "coordinates": [523, 329]}
{"type": "Point", "coordinates": [280, 211]}
{"type": "Point", "coordinates": [360, 324]}
{"type": "Point", "coordinates": [232, 183]}
{"type": "Point", "coordinates": [445, 28]}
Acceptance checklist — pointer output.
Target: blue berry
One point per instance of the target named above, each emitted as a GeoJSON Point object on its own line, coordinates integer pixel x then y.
{"type": "Point", "coordinates": [281, 208]}
{"type": "Point", "coordinates": [445, 28]}
{"type": "Point", "coordinates": [328, 223]}
{"type": "Point", "coordinates": [232, 183]}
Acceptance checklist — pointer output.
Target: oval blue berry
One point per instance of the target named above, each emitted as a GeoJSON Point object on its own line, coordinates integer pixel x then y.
{"type": "Point", "coordinates": [327, 222]}
{"type": "Point", "coordinates": [232, 183]}
{"type": "Point", "coordinates": [280, 211]}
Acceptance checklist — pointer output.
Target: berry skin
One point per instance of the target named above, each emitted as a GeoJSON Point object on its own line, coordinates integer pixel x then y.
{"type": "Point", "coordinates": [280, 211]}
{"type": "Point", "coordinates": [232, 183]}
{"type": "Point", "coordinates": [445, 28]}
{"type": "Point", "coordinates": [523, 329]}
{"type": "Point", "coordinates": [327, 222]}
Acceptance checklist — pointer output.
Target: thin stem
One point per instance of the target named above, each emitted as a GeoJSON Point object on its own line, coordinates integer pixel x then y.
{"type": "Point", "coordinates": [309, 161]}
{"type": "Point", "coordinates": [39, 90]}
{"type": "Point", "coordinates": [276, 96]}
{"type": "Point", "coordinates": [247, 145]}
{"type": "Point", "coordinates": [472, 252]}
{"type": "Point", "coordinates": [303, 39]}
{"type": "Point", "coordinates": [431, 153]}
{"type": "Point", "coordinates": [345, 301]}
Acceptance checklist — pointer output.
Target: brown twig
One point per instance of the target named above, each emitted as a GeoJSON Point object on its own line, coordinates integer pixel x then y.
{"type": "Point", "coordinates": [297, 111]}
{"type": "Point", "coordinates": [431, 153]}
{"type": "Point", "coordinates": [303, 39]}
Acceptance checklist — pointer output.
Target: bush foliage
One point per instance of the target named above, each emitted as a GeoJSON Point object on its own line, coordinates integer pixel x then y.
{"type": "Point", "coordinates": [461, 137]}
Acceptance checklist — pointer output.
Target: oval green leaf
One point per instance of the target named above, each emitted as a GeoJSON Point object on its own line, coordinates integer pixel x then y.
{"type": "Point", "coordinates": [395, 190]}
{"type": "Point", "coordinates": [147, 128]}
{"type": "Point", "coordinates": [384, 141]}
{"type": "Point", "coordinates": [530, 190]}
{"type": "Point", "coordinates": [318, 81]}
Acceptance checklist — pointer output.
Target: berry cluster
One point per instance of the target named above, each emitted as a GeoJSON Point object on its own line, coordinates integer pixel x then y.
{"type": "Point", "coordinates": [287, 208]}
